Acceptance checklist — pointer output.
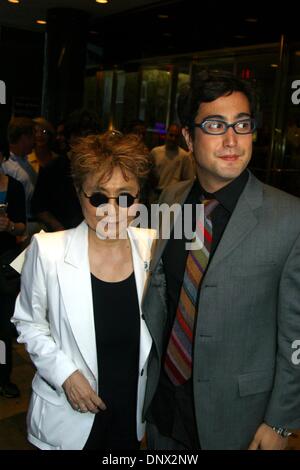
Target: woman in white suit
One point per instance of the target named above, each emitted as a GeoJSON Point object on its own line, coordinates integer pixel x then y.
{"type": "Point", "coordinates": [79, 310]}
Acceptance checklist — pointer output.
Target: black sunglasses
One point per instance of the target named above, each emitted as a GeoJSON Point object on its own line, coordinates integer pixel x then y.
{"type": "Point", "coordinates": [123, 200]}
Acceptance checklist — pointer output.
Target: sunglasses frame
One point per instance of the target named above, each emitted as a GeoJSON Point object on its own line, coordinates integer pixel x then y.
{"type": "Point", "coordinates": [116, 198]}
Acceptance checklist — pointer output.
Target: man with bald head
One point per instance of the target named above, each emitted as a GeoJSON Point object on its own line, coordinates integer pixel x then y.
{"type": "Point", "coordinates": [172, 163]}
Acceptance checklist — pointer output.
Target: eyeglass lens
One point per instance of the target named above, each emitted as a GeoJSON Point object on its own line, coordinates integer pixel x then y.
{"type": "Point", "coordinates": [245, 126]}
{"type": "Point", "coordinates": [123, 200]}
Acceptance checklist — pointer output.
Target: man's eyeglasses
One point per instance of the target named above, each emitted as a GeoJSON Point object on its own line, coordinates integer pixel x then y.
{"type": "Point", "coordinates": [219, 127]}
{"type": "Point", "coordinates": [124, 200]}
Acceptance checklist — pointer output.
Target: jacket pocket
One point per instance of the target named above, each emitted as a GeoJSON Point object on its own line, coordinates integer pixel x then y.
{"type": "Point", "coordinates": [45, 391]}
{"type": "Point", "coordinates": [255, 382]}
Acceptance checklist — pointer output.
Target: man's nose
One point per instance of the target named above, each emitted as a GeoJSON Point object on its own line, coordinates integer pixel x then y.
{"type": "Point", "coordinates": [230, 138]}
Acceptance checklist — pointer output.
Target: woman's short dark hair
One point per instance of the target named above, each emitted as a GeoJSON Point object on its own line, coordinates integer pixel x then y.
{"type": "Point", "coordinates": [100, 154]}
{"type": "Point", "coordinates": [208, 86]}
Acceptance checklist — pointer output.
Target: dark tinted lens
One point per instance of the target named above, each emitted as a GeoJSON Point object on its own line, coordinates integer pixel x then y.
{"type": "Point", "coordinates": [125, 200]}
{"type": "Point", "coordinates": [97, 199]}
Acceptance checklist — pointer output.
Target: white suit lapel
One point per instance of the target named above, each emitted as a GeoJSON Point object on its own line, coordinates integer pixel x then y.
{"type": "Point", "coordinates": [141, 240]}
{"type": "Point", "coordinates": [75, 283]}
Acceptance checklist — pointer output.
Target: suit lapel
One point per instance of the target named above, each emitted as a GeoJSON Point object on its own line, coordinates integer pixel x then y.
{"type": "Point", "coordinates": [140, 240]}
{"type": "Point", "coordinates": [75, 284]}
{"type": "Point", "coordinates": [242, 221]}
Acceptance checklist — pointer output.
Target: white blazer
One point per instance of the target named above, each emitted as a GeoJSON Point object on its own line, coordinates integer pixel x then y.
{"type": "Point", "coordinates": [54, 318]}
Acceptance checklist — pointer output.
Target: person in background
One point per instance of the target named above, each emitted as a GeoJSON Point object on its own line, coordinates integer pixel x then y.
{"type": "Point", "coordinates": [79, 308]}
{"type": "Point", "coordinates": [42, 153]}
{"type": "Point", "coordinates": [139, 128]}
{"type": "Point", "coordinates": [12, 225]}
{"type": "Point", "coordinates": [55, 202]}
{"type": "Point", "coordinates": [61, 145]}
{"type": "Point", "coordinates": [225, 316]}
{"type": "Point", "coordinates": [172, 163]}
{"type": "Point", "coordinates": [21, 142]}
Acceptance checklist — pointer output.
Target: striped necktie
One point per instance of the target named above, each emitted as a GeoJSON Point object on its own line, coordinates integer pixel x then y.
{"type": "Point", "coordinates": [178, 360]}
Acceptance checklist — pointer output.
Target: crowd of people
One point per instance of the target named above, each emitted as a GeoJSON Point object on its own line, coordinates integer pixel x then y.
{"type": "Point", "coordinates": [131, 332]}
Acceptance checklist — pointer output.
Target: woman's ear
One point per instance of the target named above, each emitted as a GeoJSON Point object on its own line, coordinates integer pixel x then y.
{"type": "Point", "coordinates": [188, 139]}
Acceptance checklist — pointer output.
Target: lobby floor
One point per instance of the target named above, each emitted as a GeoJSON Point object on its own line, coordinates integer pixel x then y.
{"type": "Point", "coordinates": [13, 411]}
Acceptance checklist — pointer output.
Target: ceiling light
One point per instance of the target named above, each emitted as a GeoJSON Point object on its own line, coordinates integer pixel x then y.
{"type": "Point", "coordinates": [274, 66]}
{"type": "Point", "coordinates": [13, 1]}
{"type": "Point", "coordinates": [239, 36]}
{"type": "Point", "coordinates": [41, 22]}
{"type": "Point", "coordinates": [163, 17]}
{"type": "Point", "coordinates": [251, 20]}
{"type": "Point", "coordinates": [101, 1]}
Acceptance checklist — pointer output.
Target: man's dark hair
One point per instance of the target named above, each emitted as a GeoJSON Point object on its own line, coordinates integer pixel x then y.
{"type": "Point", "coordinates": [208, 86]}
{"type": "Point", "coordinates": [17, 127]}
{"type": "Point", "coordinates": [82, 123]}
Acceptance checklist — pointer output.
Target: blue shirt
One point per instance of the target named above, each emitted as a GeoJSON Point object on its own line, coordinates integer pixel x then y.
{"type": "Point", "coordinates": [20, 169]}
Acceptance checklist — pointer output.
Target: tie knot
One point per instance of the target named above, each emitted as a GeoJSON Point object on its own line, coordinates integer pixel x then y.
{"type": "Point", "coordinates": [209, 205]}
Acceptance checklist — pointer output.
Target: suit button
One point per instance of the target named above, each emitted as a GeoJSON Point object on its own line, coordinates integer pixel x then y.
{"type": "Point", "coordinates": [143, 317]}
{"type": "Point", "coordinates": [142, 372]}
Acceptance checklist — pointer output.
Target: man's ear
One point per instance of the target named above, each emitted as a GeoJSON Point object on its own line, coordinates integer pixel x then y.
{"type": "Point", "coordinates": [188, 139]}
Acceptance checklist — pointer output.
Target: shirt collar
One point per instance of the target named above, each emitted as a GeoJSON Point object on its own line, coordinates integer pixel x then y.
{"type": "Point", "coordinates": [227, 196]}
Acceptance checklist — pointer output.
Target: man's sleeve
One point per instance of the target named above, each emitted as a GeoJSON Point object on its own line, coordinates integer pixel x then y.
{"type": "Point", "coordinates": [284, 406]}
{"type": "Point", "coordinates": [32, 322]}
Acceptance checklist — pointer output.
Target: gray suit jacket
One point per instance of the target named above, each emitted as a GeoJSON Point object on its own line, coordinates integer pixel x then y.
{"type": "Point", "coordinates": [248, 318]}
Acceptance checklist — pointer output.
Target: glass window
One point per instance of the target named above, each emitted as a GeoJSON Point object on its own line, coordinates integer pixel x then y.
{"type": "Point", "coordinates": [290, 171]}
{"type": "Point", "coordinates": [155, 103]}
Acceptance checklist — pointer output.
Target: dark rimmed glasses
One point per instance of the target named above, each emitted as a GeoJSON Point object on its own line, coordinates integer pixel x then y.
{"type": "Point", "coordinates": [123, 200]}
{"type": "Point", "coordinates": [219, 127]}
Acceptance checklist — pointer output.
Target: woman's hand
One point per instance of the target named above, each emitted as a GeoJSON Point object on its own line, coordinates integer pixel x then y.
{"type": "Point", "coordinates": [81, 395]}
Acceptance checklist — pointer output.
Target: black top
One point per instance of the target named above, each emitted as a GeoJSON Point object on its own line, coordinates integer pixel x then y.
{"type": "Point", "coordinates": [55, 193]}
{"type": "Point", "coordinates": [16, 211]}
{"type": "Point", "coordinates": [117, 327]}
{"type": "Point", "coordinates": [172, 408]}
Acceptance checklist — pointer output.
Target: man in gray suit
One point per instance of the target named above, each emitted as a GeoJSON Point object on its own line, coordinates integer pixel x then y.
{"type": "Point", "coordinates": [241, 385]}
